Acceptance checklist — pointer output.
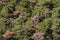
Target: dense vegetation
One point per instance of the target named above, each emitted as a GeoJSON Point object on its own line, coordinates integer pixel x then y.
{"type": "Point", "coordinates": [29, 19]}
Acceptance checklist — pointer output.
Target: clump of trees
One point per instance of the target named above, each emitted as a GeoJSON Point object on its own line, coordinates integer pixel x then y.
{"type": "Point", "coordinates": [29, 19]}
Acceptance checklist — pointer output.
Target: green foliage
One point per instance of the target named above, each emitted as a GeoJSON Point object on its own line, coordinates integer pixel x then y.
{"type": "Point", "coordinates": [23, 25]}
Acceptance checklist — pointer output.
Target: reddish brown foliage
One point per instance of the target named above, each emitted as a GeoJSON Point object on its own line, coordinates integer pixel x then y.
{"type": "Point", "coordinates": [35, 19]}
{"type": "Point", "coordinates": [1, 2]}
{"type": "Point", "coordinates": [38, 36]}
{"type": "Point", "coordinates": [15, 13]}
{"type": "Point", "coordinates": [7, 34]}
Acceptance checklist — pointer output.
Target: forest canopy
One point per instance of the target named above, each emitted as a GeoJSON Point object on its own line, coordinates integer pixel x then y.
{"type": "Point", "coordinates": [29, 19]}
